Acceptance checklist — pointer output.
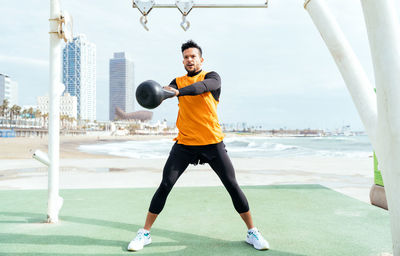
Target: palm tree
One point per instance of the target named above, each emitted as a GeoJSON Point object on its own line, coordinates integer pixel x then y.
{"type": "Point", "coordinates": [14, 111]}
{"type": "Point", "coordinates": [72, 120]}
{"type": "Point", "coordinates": [38, 114]}
{"type": "Point", "coordinates": [24, 114]}
{"type": "Point", "coordinates": [29, 113]}
{"type": "Point", "coordinates": [45, 117]}
{"type": "Point", "coordinates": [4, 108]}
{"type": "Point", "coordinates": [62, 119]}
{"type": "Point", "coordinates": [18, 113]}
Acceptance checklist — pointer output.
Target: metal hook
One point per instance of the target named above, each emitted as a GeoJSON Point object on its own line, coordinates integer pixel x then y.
{"type": "Point", "coordinates": [184, 7]}
{"type": "Point", "coordinates": [185, 24]}
{"type": "Point", "coordinates": [144, 7]}
{"type": "Point", "coordinates": [143, 21]}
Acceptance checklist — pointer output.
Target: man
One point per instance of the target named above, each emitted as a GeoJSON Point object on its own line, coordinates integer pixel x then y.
{"type": "Point", "coordinates": [199, 141]}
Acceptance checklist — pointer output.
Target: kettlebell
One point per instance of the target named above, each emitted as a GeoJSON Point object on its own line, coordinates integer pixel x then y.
{"type": "Point", "coordinates": [150, 94]}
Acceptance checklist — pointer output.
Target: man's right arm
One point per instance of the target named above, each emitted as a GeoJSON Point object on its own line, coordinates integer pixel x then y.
{"type": "Point", "coordinates": [172, 87]}
{"type": "Point", "coordinates": [173, 84]}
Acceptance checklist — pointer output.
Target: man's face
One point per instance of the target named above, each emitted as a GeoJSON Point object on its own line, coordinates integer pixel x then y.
{"type": "Point", "coordinates": [192, 60]}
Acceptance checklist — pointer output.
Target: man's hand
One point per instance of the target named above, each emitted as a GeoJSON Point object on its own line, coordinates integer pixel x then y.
{"type": "Point", "coordinates": [171, 89]}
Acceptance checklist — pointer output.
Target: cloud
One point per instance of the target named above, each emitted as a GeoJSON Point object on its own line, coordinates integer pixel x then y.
{"type": "Point", "coordinates": [24, 61]}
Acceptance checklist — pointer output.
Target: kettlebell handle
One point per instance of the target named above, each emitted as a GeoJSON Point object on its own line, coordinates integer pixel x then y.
{"type": "Point", "coordinates": [168, 94]}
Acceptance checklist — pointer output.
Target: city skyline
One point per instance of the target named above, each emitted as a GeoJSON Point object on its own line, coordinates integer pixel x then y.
{"type": "Point", "coordinates": [275, 68]}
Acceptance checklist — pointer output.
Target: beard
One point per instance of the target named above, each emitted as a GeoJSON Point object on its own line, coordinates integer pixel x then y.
{"type": "Point", "coordinates": [192, 72]}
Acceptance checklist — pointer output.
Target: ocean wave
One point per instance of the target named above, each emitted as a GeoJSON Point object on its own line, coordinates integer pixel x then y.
{"type": "Point", "coordinates": [246, 147]}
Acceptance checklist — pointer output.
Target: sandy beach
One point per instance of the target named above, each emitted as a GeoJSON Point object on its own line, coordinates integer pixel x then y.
{"type": "Point", "coordinates": [23, 148]}
{"type": "Point", "coordinates": [351, 176]}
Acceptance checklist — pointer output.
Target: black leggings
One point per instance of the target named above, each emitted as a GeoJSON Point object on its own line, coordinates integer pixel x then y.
{"type": "Point", "coordinates": [179, 159]}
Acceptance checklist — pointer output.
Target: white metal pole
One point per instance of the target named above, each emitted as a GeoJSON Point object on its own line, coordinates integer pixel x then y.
{"type": "Point", "coordinates": [352, 72]}
{"type": "Point", "coordinates": [384, 38]}
{"type": "Point", "coordinates": [54, 200]}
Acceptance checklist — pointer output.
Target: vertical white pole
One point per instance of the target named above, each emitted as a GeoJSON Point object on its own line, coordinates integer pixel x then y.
{"type": "Point", "coordinates": [54, 200]}
{"type": "Point", "coordinates": [352, 72]}
{"type": "Point", "coordinates": [384, 38]}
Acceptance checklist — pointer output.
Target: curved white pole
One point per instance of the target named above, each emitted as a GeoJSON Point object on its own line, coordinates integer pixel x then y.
{"type": "Point", "coordinates": [54, 200]}
{"type": "Point", "coordinates": [384, 38]}
{"type": "Point", "coordinates": [352, 72]}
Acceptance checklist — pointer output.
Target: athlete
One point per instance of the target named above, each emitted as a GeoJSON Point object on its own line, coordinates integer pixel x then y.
{"type": "Point", "coordinates": [199, 141]}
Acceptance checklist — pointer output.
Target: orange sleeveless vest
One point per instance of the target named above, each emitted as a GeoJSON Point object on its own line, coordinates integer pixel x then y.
{"type": "Point", "coordinates": [197, 120]}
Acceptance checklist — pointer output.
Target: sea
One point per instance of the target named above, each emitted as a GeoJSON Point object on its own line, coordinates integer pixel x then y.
{"type": "Point", "coordinates": [248, 147]}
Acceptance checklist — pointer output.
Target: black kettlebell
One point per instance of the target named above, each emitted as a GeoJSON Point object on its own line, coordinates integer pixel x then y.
{"type": "Point", "coordinates": [150, 94]}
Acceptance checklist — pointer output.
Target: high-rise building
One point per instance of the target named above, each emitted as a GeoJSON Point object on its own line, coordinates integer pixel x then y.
{"type": "Point", "coordinates": [8, 90]}
{"type": "Point", "coordinates": [121, 84]}
{"type": "Point", "coordinates": [79, 75]}
{"type": "Point", "coordinates": [68, 105]}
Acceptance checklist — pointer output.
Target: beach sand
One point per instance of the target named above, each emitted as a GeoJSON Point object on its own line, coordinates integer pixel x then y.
{"type": "Point", "coordinates": [23, 148]}
{"type": "Point", "coordinates": [350, 176]}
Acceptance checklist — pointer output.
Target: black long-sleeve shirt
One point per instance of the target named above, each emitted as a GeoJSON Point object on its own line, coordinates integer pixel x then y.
{"type": "Point", "coordinates": [211, 83]}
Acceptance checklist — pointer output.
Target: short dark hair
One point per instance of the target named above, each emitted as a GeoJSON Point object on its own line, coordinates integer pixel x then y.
{"type": "Point", "coordinates": [191, 44]}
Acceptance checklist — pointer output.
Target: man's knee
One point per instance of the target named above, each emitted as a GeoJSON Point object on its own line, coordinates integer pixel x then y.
{"type": "Point", "coordinates": [166, 186]}
{"type": "Point", "coordinates": [231, 184]}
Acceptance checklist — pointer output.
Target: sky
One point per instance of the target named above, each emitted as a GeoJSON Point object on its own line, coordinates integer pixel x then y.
{"type": "Point", "coordinates": [275, 68]}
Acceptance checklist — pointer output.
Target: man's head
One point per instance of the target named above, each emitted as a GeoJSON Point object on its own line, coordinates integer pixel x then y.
{"type": "Point", "coordinates": [192, 57]}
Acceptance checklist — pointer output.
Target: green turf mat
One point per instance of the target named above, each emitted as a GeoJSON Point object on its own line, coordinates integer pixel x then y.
{"type": "Point", "coordinates": [296, 219]}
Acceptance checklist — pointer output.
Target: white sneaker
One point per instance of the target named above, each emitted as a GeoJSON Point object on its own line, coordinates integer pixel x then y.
{"type": "Point", "coordinates": [142, 238]}
{"type": "Point", "coordinates": [255, 238]}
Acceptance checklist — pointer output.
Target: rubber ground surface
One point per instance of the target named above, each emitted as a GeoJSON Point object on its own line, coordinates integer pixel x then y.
{"type": "Point", "coordinates": [295, 219]}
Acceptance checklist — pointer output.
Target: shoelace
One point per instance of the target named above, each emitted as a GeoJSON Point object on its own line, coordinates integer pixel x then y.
{"type": "Point", "coordinates": [255, 234]}
{"type": "Point", "coordinates": [140, 235]}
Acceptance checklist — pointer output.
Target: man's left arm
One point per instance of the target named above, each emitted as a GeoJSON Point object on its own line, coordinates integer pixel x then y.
{"type": "Point", "coordinates": [211, 82]}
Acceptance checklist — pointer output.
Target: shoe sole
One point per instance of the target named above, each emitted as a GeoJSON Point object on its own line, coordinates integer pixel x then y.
{"type": "Point", "coordinates": [133, 250]}
{"type": "Point", "coordinates": [261, 249]}
{"type": "Point", "coordinates": [136, 250]}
